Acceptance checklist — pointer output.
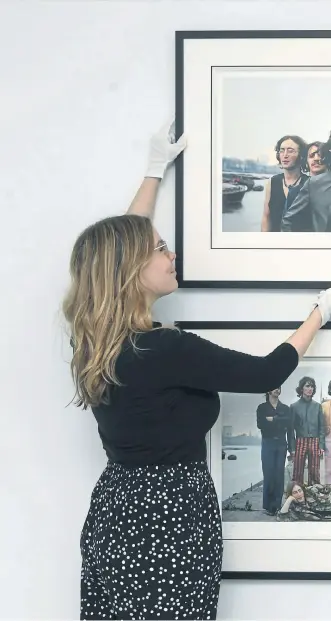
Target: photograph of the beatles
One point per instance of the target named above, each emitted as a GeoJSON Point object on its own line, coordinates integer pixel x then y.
{"type": "Point", "coordinates": [276, 457]}
{"type": "Point", "coordinates": [276, 163]}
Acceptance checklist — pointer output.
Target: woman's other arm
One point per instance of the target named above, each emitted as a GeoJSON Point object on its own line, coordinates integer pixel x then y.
{"type": "Point", "coordinates": [162, 153]}
{"type": "Point", "coordinates": [189, 360]}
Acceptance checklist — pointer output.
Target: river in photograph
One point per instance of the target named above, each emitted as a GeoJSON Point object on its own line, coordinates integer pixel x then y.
{"type": "Point", "coordinates": [247, 215]}
{"type": "Point", "coordinates": [240, 473]}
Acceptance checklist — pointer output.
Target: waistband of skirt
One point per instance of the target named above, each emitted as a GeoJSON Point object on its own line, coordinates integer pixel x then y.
{"type": "Point", "coordinates": [188, 466]}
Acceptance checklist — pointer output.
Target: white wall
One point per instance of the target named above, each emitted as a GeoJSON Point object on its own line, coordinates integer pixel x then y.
{"type": "Point", "coordinates": [83, 84]}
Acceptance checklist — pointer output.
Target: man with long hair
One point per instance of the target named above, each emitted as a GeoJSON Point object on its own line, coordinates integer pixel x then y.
{"type": "Point", "coordinates": [326, 407]}
{"type": "Point", "coordinates": [308, 435]}
{"type": "Point", "coordinates": [314, 199]}
{"type": "Point", "coordinates": [314, 164]}
{"type": "Point", "coordinates": [283, 188]}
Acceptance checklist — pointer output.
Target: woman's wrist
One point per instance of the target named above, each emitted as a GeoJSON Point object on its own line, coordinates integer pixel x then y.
{"type": "Point", "coordinates": [316, 316]}
{"type": "Point", "coordinates": [157, 180]}
{"type": "Point", "coordinates": [144, 201]}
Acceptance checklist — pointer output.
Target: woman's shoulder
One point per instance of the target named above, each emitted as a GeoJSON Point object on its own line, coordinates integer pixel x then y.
{"type": "Point", "coordinates": [170, 340]}
{"type": "Point", "coordinates": [162, 336]}
{"type": "Point", "coordinates": [147, 352]}
{"type": "Point", "coordinates": [159, 337]}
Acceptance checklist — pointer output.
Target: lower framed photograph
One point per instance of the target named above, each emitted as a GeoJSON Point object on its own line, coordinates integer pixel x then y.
{"type": "Point", "coordinates": [270, 459]}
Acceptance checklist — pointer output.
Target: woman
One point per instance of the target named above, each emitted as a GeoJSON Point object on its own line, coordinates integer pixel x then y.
{"type": "Point", "coordinates": [152, 541]}
{"type": "Point", "coordinates": [311, 503]}
{"type": "Point", "coordinates": [273, 420]}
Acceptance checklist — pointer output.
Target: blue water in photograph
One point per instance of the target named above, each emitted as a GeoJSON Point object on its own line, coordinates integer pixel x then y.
{"type": "Point", "coordinates": [244, 215]}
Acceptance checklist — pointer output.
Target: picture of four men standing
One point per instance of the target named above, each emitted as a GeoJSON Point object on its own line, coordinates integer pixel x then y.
{"type": "Point", "coordinates": [302, 430]}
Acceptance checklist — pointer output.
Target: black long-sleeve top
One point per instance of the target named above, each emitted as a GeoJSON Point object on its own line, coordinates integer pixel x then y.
{"type": "Point", "coordinates": [168, 400]}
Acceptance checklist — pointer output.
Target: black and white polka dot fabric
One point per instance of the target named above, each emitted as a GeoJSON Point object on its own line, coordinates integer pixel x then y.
{"type": "Point", "coordinates": [152, 544]}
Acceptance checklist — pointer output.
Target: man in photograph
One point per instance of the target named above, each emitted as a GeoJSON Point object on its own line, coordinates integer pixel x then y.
{"type": "Point", "coordinates": [314, 165]}
{"type": "Point", "coordinates": [314, 199]}
{"type": "Point", "coordinates": [307, 432]}
{"type": "Point", "coordinates": [273, 420]}
{"type": "Point", "coordinates": [326, 407]}
{"type": "Point", "coordinates": [282, 189]}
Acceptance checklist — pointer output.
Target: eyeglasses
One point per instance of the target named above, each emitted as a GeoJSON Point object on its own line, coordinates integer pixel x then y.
{"type": "Point", "coordinates": [312, 154]}
{"type": "Point", "coordinates": [162, 246]}
{"type": "Point", "coordinates": [290, 151]}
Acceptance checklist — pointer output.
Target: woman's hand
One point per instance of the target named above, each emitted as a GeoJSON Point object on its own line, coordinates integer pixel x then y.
{"type": "Point", "coordinates": [163, 152]}
{"type": "Point", "coordinates": [323, 303]}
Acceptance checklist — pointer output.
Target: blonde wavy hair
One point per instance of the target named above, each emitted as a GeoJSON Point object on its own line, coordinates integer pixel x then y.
{"type": "Point", "coordinates": [106, 302]}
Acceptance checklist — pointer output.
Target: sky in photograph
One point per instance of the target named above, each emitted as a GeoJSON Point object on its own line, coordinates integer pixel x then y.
{"type": "Point", "coordinates": [258, 110]}
{"type": "Point", "coordinates": [240, 410]}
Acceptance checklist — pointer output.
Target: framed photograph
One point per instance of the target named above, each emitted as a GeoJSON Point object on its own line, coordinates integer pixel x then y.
{"type": "Point", "coordinates": [253, 187]}
{"type": "Point", "coordinates": [274, 483]}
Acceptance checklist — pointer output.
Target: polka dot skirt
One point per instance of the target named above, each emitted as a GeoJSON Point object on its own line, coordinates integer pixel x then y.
{"type": "Point", "coordinates": [152, 544]}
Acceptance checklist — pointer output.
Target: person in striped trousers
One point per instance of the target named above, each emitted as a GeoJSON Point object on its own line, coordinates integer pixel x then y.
{"type": "Point", "coordinates": [308, 434]}
{"type": "Point", "coordinates": [326, 407]}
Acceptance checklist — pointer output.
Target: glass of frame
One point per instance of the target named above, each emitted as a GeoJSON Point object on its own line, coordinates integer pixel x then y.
{"type": "Point", "coordinates": [259, 542]}
{"type": "Point", "coordinates": [243, 98]}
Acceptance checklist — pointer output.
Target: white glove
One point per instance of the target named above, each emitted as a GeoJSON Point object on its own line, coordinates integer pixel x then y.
{"type": "Point", "coordinates": [324, 305]}
{"type": "Point", "coordinates": [162, 152]}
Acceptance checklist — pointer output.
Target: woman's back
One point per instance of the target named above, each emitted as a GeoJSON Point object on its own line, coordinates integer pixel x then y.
{"type": "Point", "coordinates": [150, 418]}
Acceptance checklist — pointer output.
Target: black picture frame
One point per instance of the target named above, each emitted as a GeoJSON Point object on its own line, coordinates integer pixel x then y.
{"type": "Point", "coordinates": [257, 325]}
{"type": "Point", "coordinates": [180, 38]}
